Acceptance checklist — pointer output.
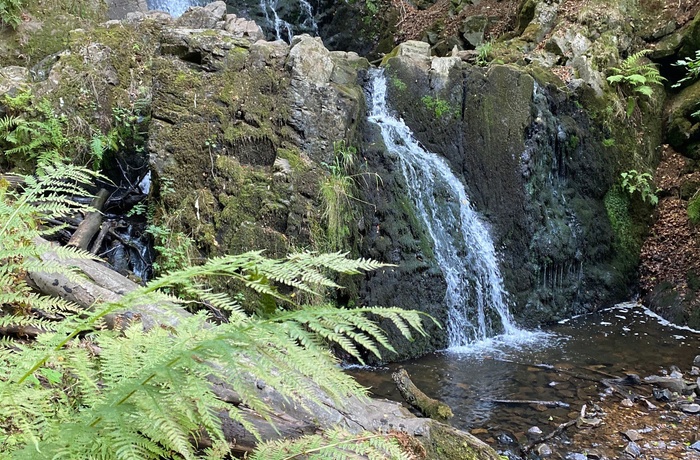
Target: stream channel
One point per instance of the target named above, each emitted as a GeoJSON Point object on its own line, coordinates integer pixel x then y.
{"type": "Point", "coordinates": [626, 339]}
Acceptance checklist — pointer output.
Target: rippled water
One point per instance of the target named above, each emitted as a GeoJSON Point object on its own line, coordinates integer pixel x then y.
{"type": "Point", "coordinates": [625, 339]}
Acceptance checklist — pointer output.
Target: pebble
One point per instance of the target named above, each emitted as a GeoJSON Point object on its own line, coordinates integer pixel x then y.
{"type": "Point", "coordinates": [663, 395]}
{"type": "Point", "coordinates": [576, 456]}
{"type": "Point", "coordinates": [696, 361]}
{"type": "Point", "coordinates": [543, 450]}
{"type": "Point", "coordinates": [676, 375]}
{"type": "Point", "coordinates": [627, 402]}
{"type": "Point", "coordinates": [691, 408]}
{"type": "Point", "coordinates": [695, 370]}
{"type": "Point", "coordinates": [633, 449]}
{"type": "Point", "coordinates": [632, 435]}
{"type": "Point", "coordinates": [696, 446]}
{"type": "Point", "coordinates": [534, 433]}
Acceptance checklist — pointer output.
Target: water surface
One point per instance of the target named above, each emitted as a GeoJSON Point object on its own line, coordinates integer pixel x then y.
{"type": "Point", "coordinates": [614, 342]}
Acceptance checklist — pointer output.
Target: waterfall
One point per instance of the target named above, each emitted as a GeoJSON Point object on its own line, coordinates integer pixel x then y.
{"type": "Point", "coordinates": [280, 26]}
{"type": "Point", "coordinates": [175, 7]}
{"type": "Point", "coordinates": [283, 29]}
{"type": "Point", "coordinates": [475, 297]}
{"type": "Point", "coordinates": [310, 20]}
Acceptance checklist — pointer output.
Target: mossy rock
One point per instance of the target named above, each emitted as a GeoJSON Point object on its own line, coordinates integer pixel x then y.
{"type": "Point", "coordinates": [682, 128]}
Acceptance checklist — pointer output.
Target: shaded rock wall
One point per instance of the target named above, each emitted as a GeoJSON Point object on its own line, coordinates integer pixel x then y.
{"type": "Point", "coordinates": [534, 166]}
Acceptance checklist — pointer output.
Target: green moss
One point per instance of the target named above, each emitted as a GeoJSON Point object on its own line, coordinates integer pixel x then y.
{"type": "Point", "coordinates": [293, 156]}
{"type": "Point", "coordinates": [627, 233]}
{"type": "Point", "coordinates": [694, 209]}
{"type": "Point", "coordinates": [447, 443]}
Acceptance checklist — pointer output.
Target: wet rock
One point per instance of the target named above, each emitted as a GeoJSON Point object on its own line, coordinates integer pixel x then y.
{"type": "Point", "coordinates": [691, 408]}
{"type": "Point", "coordinates": [243, 28]}
{"type": "Point", "coordinates": [507, 439]}
{"type": "Point", "coordinates": [208, 17]}
{"type": "Point", "coordinates": [118, 9]}
{"type": "Point", "coordinates": [675, 384]}
{"type": "Point", "coordinates": [543, 450]}
{"type": "Point", "coordinates": [676, 374]}
{"type": "Point", "coordinates": [633, 450]}
{"type": "Point", "coordinates": [663, 395]}
{"type": "Point", "coordinates": [534, 433]}
{"type": "Point", "coordinates": [473, 29]}
{"type": "Point", "coordinates": [632, 435]}
{"type": "Point", "coordinates": [12, 77]}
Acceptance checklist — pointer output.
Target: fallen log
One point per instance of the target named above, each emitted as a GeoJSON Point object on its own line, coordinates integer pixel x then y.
{"type": "Point", "coordinates": [101, 284]}
{"type": "Point", "coordinates": [13, 181]}
{"type": "Point", "coordinates": [91, 223]}
{"type": "Point", "coordinates": [289, 419]}
{"type": "Point", "coordinates": [414, 396]}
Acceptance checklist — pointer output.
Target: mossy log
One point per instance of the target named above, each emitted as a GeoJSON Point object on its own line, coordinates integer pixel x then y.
{"type": "Point", "coordinates": [414, 396]}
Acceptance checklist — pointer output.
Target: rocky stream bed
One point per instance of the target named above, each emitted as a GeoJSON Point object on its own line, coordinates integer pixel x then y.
{"type": "Point", "coordinates": [620, 383]}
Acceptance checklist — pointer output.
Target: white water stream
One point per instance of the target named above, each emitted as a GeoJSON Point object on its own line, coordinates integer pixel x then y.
{"type": "Point", "coordinates": [475, 297]}
{"type": "Point", "coordinates": [175, 7]}
{"type": "Point", "coordinates": [283, 29]}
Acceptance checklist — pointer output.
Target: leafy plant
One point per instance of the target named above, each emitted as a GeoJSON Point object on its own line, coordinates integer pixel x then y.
{"type": "Point", "coordinates": [337, 193]}
{"type": "Point", "coordinates": [41, 139]}
{"type": "Point", "coordinates": [694, 209]}
{"type": "Point", "coordinates": [80, 391]}
{"type": "Point", "coordinates": [439, 106]}
{"type": "Point", "coordinates": [484, 51]}
{"type": "Point", "coordinates": [634, 76]}
{"type": "Point", "coordinates": [175, 249]}
{"type": "Point", "coordinates": [42, 197]}
{"type": "Point", "coordinates": [398, 83]}
{"type": "Point", "coordinates": [692, 66]}
{"type": "Point", "coordinates": [634, 181]}
{"type": "Point", "coordinates": [10, 11]}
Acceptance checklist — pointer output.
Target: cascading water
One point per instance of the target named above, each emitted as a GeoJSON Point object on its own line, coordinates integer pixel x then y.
{"type": "Point", "coordinates": [175, 7]}
{"type": "Point", "coordinates": [475, 297]}
{"type": "Point", "coordinates": [283, 29]}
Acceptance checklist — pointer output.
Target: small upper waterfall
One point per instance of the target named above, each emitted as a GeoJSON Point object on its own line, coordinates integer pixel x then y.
{"type": "Point", "coordinates": [175, 7]}
{"type": "Point", "coordinates": [475, 297]}
{"type": "Point", "coordinates": [283, 29]}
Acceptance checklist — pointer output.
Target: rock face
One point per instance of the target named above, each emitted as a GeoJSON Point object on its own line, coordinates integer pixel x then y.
{"type": "Point", "coordinates": [538, 178]}
{"type": "Point", "coordinates": [244, 133]}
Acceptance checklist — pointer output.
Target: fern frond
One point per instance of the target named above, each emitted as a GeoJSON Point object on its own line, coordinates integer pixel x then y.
{"type": "Point", "coordinates": [334, 444]}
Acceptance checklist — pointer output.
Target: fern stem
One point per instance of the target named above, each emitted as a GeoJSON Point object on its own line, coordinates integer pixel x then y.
{"type": "Point", "coordinates": [330, 446]}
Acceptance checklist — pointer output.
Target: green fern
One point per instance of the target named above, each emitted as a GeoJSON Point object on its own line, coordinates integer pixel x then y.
{"type": "Point", "coordinates": [10, 12]}
{"type": "Point", "coordinates": [331, 445]}
{"type": "Point", "coordinates": [80, 391]}
{"type": "Point", "coordinates": [43, 197]}
{"type": "Point", "coordinates": [41, 140]}
{"type": "Point", "coordinates": [636, 76]}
